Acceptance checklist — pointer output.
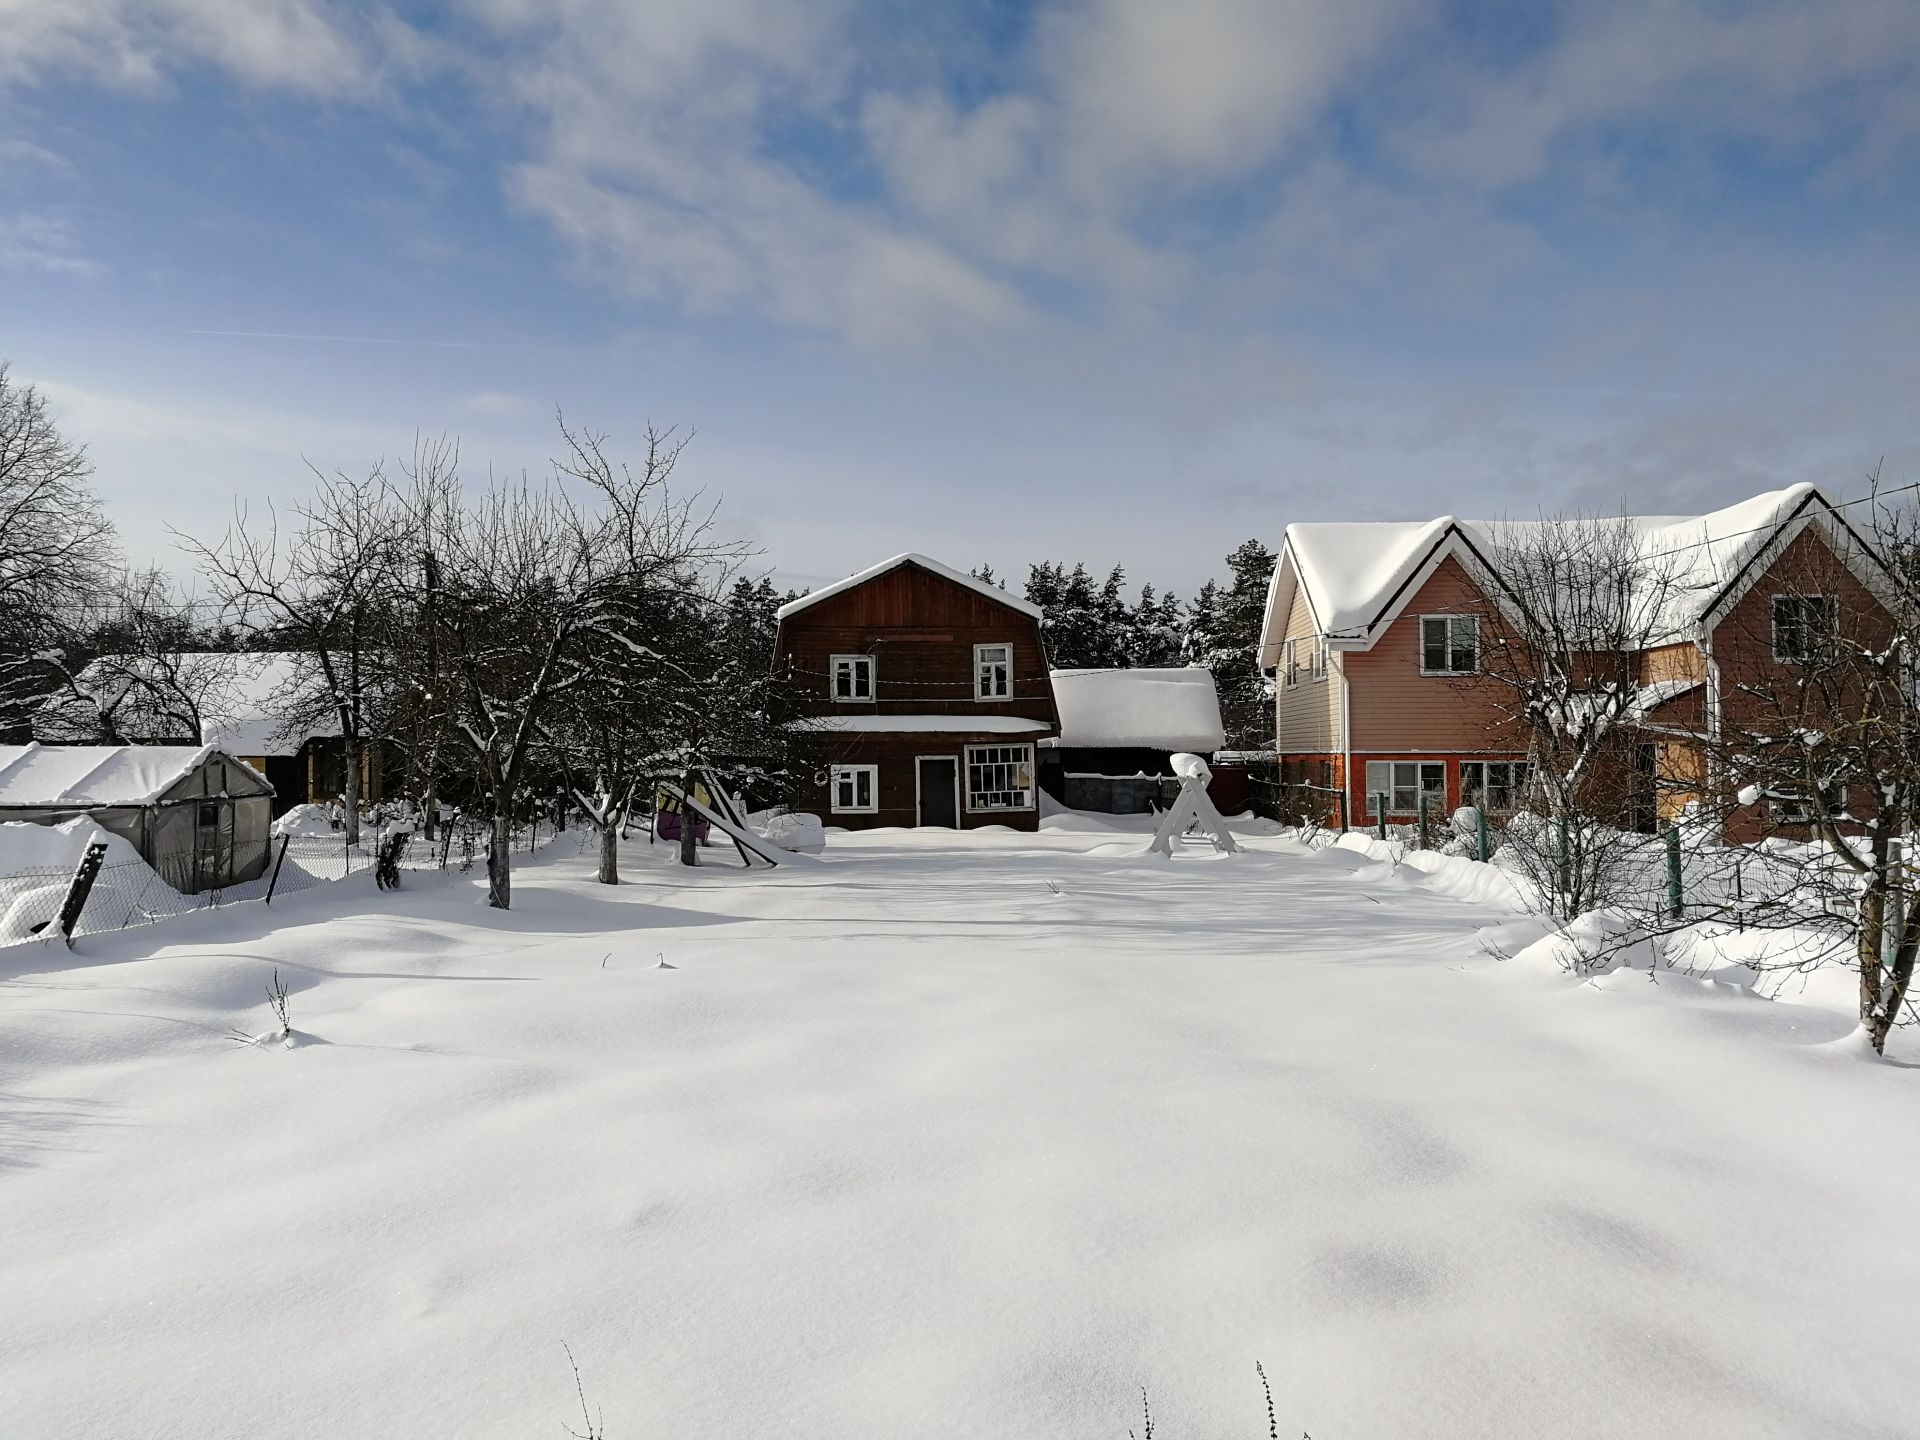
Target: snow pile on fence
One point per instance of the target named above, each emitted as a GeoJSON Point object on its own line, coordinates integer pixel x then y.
{"type": "Point", "coordinates": [37, 864]}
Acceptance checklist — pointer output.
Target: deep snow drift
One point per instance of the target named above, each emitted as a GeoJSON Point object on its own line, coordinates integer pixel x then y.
{"type": "Point", "coordinates": [940, 1135]}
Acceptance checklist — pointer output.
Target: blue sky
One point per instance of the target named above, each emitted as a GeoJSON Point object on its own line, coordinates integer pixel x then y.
{"type": "Point", "coordinates": [1106, 279]}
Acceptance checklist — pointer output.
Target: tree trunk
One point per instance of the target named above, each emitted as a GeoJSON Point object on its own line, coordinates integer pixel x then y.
{"type": "Point", "coordinates": [609, 850]}
{"type": "Point", "coordinates": [499, 847]}
{"type": "Point", "coordinates": [1894, 985]}
{"type": "Point", "coordinates": [350, 790]}
{"type": "Point", "coordinates": [1873, 919]}
{"type": "Point", "coordinates": [689, 852]}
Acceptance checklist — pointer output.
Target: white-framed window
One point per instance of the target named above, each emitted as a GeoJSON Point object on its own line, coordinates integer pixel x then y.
{"type": "Point", "coordinates": [1290, 672]}
{"type": "Point", "coordinates": [999, 777]}
{"type": "Point", "coordinates": [1802, 628]}
{"type": "Point", "coordinates": [1496, 786]}
{"type": "Point", "coordinates": [1403, 781]}
{"type": "Point", "coordinates": [852, 678]}
{"type": "Point", "coordinates": [1319, 658]}
{"type": "Point", "coordinates": [856, 789]}
{"type": "Point", "coordinates": [1449, 644]}
{"type": "Point", "coordinates": [992, 672]}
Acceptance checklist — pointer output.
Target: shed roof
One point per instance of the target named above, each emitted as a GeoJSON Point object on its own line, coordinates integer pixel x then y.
{"type": "Point", "coordinates": [82, 776]}
{"type": "Point", "coordinates": [1175, 709]}
{"type": "Point", "coordinates": [945, 572]}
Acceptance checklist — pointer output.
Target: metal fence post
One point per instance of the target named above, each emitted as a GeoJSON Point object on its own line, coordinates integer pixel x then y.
{"type": "Point", "coordinates": [1676, 896]}
{"type": "Point", "coordinates": [1380, 812]}
{"type": "Point", "coordinates": [1739, 893]}
{"type": "Point", "coordinates": [84, 874]}
{"type": "Point", "coordinates": [1426, 834]}
{"type": "Point", "coordinates": [278, 861]}
{"type": "Point", "coordinates": [1340, 797]}
{"type": "Point", "coordinates": [1483, 849]}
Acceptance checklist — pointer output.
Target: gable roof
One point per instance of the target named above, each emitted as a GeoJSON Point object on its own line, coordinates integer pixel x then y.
{"type": "Point", "coordinates": [83, 776]}
{"type": "Point", "coordinates": [933, 567]}
{"type": "Point", "coordinates": [1149, 709]}
{"type": "Point", "coordinates": [1358, 576]}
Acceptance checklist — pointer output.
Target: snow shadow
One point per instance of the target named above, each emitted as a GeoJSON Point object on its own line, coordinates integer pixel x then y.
{"type": "Point", "coordinates": [36, 1127]}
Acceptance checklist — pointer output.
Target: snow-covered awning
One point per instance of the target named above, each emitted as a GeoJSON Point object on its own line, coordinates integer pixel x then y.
{"type": "Point", "coordinates": [921, 724]}
{"type": "Point", "coordinates": [1146, 709]}
{"type": "Point", "coordinates": [84, 776]}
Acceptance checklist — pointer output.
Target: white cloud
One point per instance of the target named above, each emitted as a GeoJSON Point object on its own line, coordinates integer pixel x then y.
{"type": "Point", "coordinates": [1698, 70]}
{"type": "Point", "coordinates": [311, 46]}
{"type": "Point", "coordinates": [44, 243]}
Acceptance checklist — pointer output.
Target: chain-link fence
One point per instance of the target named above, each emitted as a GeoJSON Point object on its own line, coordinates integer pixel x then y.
{"type": "Point", "coordinates": [129, 890]}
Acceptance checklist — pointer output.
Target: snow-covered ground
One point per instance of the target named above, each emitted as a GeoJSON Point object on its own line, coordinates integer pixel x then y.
{"type": "Point", "coordinates": [942, 1135]}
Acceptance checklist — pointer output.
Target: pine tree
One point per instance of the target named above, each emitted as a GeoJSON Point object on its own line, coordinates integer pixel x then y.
{"type": "Point", "coordinates": [1154, 630]}
{"type": "Point", "coordinates": [1234, 640]}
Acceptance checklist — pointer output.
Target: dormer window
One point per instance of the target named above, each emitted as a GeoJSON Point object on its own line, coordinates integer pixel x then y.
{"type": "Point", "coordinates": [992, 672]}
{"type": "Point", "coordinates": [1449, 644]}
{"type": "Point", "coordinates": [1802, 628]}
{"type": "Point", "coordinates": [852, 678]}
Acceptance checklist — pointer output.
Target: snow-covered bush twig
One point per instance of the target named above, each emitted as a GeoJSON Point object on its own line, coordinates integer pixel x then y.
{"type": "Point", "coordinates": [594, 1420]}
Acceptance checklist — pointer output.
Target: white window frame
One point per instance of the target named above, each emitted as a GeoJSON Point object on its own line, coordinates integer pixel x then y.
{"type": "Point", "coordinates": [854, 665]}
{"type": "Point", "coordinates": [1319, 658]}
{"type": "Point", "coordinates": [1519, 780]}
{"type": "Point", "coordinates": [1451, 621]}
{"type": "Point", "coordinates": [853, 773]}
{"type": "Point", "coordinates": [1003, 755]}
{"type": "Point", "coordinates": [984, 672]}
{"type": "Point", "coordinates": [1821, 643]}
{"type": "Point", "coordinates": [1422, 770]}
{"type": "Point", "coordinates": [1290, 675]}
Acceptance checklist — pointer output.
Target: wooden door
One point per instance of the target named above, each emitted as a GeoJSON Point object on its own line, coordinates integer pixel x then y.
{"type": "Point", "coordinates": [938, 787]}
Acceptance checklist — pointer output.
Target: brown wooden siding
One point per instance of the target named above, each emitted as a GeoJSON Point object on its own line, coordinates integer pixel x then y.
{"type": "Point", "coordinates": [920, 628]}
{"type": "Point", "coordinates": [897, 758]}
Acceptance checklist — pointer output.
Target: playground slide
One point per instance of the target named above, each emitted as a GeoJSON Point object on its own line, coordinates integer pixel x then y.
{"type": "Point", "coordinates": [739, 834]}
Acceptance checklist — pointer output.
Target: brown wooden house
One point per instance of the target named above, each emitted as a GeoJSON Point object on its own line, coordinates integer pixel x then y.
{"type": "Point", "coordinates": [922, 693]}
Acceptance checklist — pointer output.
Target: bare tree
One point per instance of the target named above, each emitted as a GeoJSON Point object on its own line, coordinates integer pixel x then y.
{"type": "Point", "coordinates": [1570, 607]}
{"type": "Point", "coordinates": [324, 588]}
{"type": "Point", "coordinates": [57, 550]}
{"type": "Point", "coordinates": [159, 676]}
{"type": "Point", "coordinates": [535, 582]}
{"type": "Point", "coordinates": [1816, 747]}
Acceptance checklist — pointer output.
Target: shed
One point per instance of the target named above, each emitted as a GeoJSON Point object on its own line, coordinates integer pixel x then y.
{"type": "Point", "coordinates": [1119, 732]}
{"type": "Point", "coordinates": [198, 816]}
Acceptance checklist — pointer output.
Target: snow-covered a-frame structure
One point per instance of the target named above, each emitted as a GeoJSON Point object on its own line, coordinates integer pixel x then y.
{"type": "Point", "coordinates": [198, 816]}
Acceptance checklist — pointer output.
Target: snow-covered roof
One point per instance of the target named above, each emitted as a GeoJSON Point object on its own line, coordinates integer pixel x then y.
{"type": "Point", "coordinates": [242, 700]}
{"type": "Point", "coordinates": [1145, 709]}
{"type": "Point", "coordinates": [950, 724]}
{"type": "Point", "coordinates": [945, 572]}
{"type": "Point", "coordinates": [52, 776]}
{"type": "Point", "coordinates": [1356, 575]}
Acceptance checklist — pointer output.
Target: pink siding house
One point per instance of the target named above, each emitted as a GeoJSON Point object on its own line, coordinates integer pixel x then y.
{"type": "Point", "coordinates": [1372, 634]}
